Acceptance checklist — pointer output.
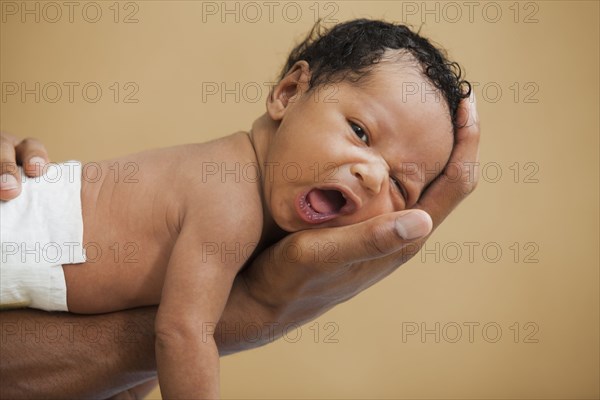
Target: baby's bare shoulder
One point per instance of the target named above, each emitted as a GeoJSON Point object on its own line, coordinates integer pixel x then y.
{"type": "Point", "coordinates": [221, 186]}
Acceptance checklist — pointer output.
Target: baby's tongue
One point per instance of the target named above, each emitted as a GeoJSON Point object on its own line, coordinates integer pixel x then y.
{"type": "Point", "coordinates": [325, 201]}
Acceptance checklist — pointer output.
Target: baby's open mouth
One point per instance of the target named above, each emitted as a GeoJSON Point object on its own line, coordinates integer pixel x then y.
{"type": "Point", "coordinates": [320, 205]}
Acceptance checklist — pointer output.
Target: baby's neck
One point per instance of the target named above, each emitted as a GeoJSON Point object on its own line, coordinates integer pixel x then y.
{"type": "Point", "coordinates": [262, 130]}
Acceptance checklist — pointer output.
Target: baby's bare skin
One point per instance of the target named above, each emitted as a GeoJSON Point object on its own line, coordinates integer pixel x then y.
{"type": "Point", "coordinates": [376, 146]}
{"type": "Point", "coordinates": [130, 227]}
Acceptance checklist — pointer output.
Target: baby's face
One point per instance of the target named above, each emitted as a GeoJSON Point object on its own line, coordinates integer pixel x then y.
{"type": "Point", "coordinates": [347, 153]}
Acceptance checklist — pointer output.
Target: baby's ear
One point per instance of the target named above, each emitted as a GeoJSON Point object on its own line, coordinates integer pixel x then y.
{"type": "Point", "coordinates": [288, 90]}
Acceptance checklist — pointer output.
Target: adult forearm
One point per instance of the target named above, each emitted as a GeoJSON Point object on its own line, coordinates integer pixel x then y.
{"type": "Point", "coordinates": [61, 355]}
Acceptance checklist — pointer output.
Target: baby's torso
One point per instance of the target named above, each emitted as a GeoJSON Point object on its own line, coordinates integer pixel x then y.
{"type": "Point", "coordinates": [133, 208]}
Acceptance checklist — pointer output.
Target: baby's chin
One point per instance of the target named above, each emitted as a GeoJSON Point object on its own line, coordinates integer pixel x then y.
{"type": "Point", "coordinates": [287, 224]}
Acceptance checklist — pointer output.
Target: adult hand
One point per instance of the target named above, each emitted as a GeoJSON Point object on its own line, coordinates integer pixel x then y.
{"type": "Point", "coordinates": [311, 271]}
{"type": "Point", "coordinates": [29, 153]}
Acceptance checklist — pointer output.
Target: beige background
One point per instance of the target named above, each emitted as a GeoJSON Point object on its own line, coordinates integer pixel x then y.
{"type": "Point", "coordinates": [541, 137]}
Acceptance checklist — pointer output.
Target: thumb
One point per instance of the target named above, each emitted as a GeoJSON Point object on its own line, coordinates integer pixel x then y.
{"type": "Point", "coordinates": [380, 236]}
{"type": "Point", "coordinates": [413, 224]}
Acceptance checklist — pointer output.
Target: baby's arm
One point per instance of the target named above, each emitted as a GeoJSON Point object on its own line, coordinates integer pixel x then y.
{"type": "Point", "coordinates": [194, 295]}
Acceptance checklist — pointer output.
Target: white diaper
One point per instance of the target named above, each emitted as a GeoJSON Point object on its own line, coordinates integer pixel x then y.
{"type": "Point", "coordinates": [41, 230]}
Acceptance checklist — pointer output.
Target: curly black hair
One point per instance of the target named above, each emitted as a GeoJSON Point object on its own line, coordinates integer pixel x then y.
{"type": "Point", "coordinates": [350, 49]}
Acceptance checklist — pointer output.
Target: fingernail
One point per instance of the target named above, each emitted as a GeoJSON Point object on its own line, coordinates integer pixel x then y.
{"type": "Point", "coordinates": [413, 225]}
{"type": "Point", "coordinates": [8, 182]}
{"type": "Point", "coordinates": [37, 161]}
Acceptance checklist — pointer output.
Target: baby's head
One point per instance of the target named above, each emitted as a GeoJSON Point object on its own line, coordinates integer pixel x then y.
{"type": "Point", "coordinates": [364, 114]}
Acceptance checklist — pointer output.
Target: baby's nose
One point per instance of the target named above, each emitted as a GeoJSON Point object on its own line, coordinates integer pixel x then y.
{"type": "Point", "coordinates": [370, 175]}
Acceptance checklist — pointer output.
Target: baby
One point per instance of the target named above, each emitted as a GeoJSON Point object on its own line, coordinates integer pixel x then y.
{"type": "Point", "coordinates": [360, 122]}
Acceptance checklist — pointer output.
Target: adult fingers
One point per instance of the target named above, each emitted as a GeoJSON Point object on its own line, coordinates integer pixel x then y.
{"type": "Point", "coordinates": [461, 175]}
{"type": "Point", "coordinates": [32, 155]}
{"type": "Point", "coordinates": [10, 177]}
